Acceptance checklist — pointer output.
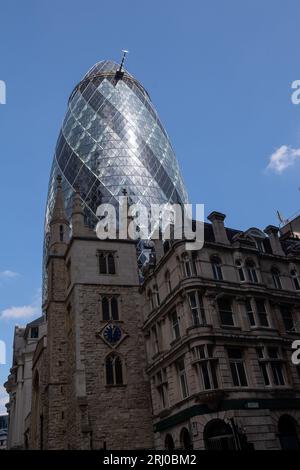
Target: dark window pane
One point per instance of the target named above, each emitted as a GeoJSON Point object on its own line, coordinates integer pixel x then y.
{"type": "Point", "coordinates": [250, 313]}
{"type": "Point", "coordinates": [226, 318]}
{"type": "Point", "coordinates": [277, 373]}
{"type": "Point", "coordinates": [102, 264]}
{"type": "Point", "coordinates": [264, 371]}
{"type": "Point", "coordinates": [111, 264]}
{"type": "Point", "coordinates": [34, 332]}
{"type": "Point", "coordinates": [261, 311]}
{"type": "Point", "coordinates": [225, 310]}
{"type": "Point", "coordinates": [242, 374]}
{"type": "Point", "coordinates": [263, 319]}
{"type": "Point", "coordinates": [205, 376]}
{"type": "Point", "coordinates": [214, 375]}
{"type": "Point", "coordinates": [105, 308]}
{"type": "Point", "coordinates": [109, 372]}
{"type": "Point", "coordinates": [119, 371]}
{"type": "Point", "coordinates": [287, 318]}
{"type": "Point", "coordinates": [234, 353]}
{"type": "Point", "coordinates": [114, 309]}
{"type": "Point", "coordinates": [273, 353]}
{"type": "Point", "coordinates": [234, 374]}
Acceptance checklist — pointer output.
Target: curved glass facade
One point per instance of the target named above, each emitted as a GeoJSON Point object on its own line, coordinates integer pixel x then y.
{"type": "Point", "coordinates": [112, 140]}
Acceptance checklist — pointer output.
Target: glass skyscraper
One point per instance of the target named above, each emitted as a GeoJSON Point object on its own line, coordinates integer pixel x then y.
{"type": "Point", "coordinates": [111, 143]}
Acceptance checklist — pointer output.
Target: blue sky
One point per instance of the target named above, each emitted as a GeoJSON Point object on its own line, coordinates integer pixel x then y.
{"type": "Point", "coordinates": [220, 75]}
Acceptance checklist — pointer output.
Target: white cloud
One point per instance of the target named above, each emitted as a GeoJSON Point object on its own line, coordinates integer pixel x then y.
{"type": "Point", "coordinates": [3, 400]}
{"type": "Point", "coordinates": [8, 274]}
{"type": "Point", "coordinates": [282, 158]}
{"type": "Point", "coordinates": [24, 311]}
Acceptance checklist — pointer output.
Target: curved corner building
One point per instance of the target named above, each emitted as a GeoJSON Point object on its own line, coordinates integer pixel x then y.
{"type": "Point", "coordinates": [112, 140]}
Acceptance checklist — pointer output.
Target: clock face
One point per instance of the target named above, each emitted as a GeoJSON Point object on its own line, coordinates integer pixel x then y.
{"type": "Point", "coordinates": [112, 333]}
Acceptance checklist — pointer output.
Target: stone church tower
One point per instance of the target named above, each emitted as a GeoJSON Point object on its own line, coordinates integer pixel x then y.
{"type": "Point", "coordinates": [90, 389]}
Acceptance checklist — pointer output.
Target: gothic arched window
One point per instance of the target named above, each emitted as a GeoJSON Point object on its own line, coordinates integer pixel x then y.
{"type": "Point", "coordinates": [110, 309]}
{"type": "Point", "coordinates": [216, 268]}
{"type": "Point", "coordinates": [276, 278]}
{"type": "Point", "coordinates": [295, 278]}
{"type": "Point", "coordinates": [107, 263]}
{"type": "Point", "coordinates": [240, 269]}
{"type": "Point", "coordinates": [251, 271]}
{"type": "Point", "coordinates": [114, 370]}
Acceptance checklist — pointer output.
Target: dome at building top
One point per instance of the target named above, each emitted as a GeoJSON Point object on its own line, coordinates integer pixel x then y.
{"type": "Point", "coordinates": [107, 69]}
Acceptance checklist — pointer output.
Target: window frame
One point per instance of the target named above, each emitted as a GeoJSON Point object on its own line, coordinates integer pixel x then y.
{"type": "Point", "coordinates": [237, 365]}
{"type": "Point", "coordinates": [251, 270]}
{"type": "Point", "coordinates": [199, 308]}
{"type": "Point", "coordinates": [182, 377]}
{"type": "Point", "coordinates": [109, 298]}
{"type": "Point", "coordinates": [223, 311]}
{"type": "Point", "coordinates": [113, 357]}
{"type": "Point", "coordinates": [287, 318]}
{"type": "Point", "coordinates": [216, 264]}
{"type": "Point", "coordinates": [276, 278]}
{"type": "Point", "coordinates": [175, 325]}
{"type": "Point", "coordinates": [295, 279]}
{"type": "Point", "coordinates": [204, 359]}
{"type": "Point", "coordinates": [274, 367]}
{"type": "Point", "coordinates": [106, 255]}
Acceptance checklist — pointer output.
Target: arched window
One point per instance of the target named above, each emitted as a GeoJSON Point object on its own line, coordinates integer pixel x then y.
{"type": "Point", "coordinates": [218, 436]}
{"type": "Point", "coordinates": [288, 435]}
{"type": "Point", "coordinates": [169, 442]}
{"type": "Point", "coordinates": [251, 271]}
{"type": "Point", "coordinates": [110, 309]}
{"type": "Point", "coordinates": [107, 263]}
{"type": "Point", "coordinates": [185, 440]}
{"type": "Point", "coordinates": [114, 370]}
{"type": "Point", "coordinates": [216, 268]}
{"type": "Point", "coordinates": [189, 263]}
{"type": "Point", "coordinates": [168, 281]}
{"type": "Point", "coordinates": [276, 278]}
{"type": "Point", "coordinates": [295, 278]}
{"type": "Point", "coordinates": [240, 269]}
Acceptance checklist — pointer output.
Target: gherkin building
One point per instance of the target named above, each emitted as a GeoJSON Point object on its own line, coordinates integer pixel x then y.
{"type": "Point", "coordinates": [112, 143]}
